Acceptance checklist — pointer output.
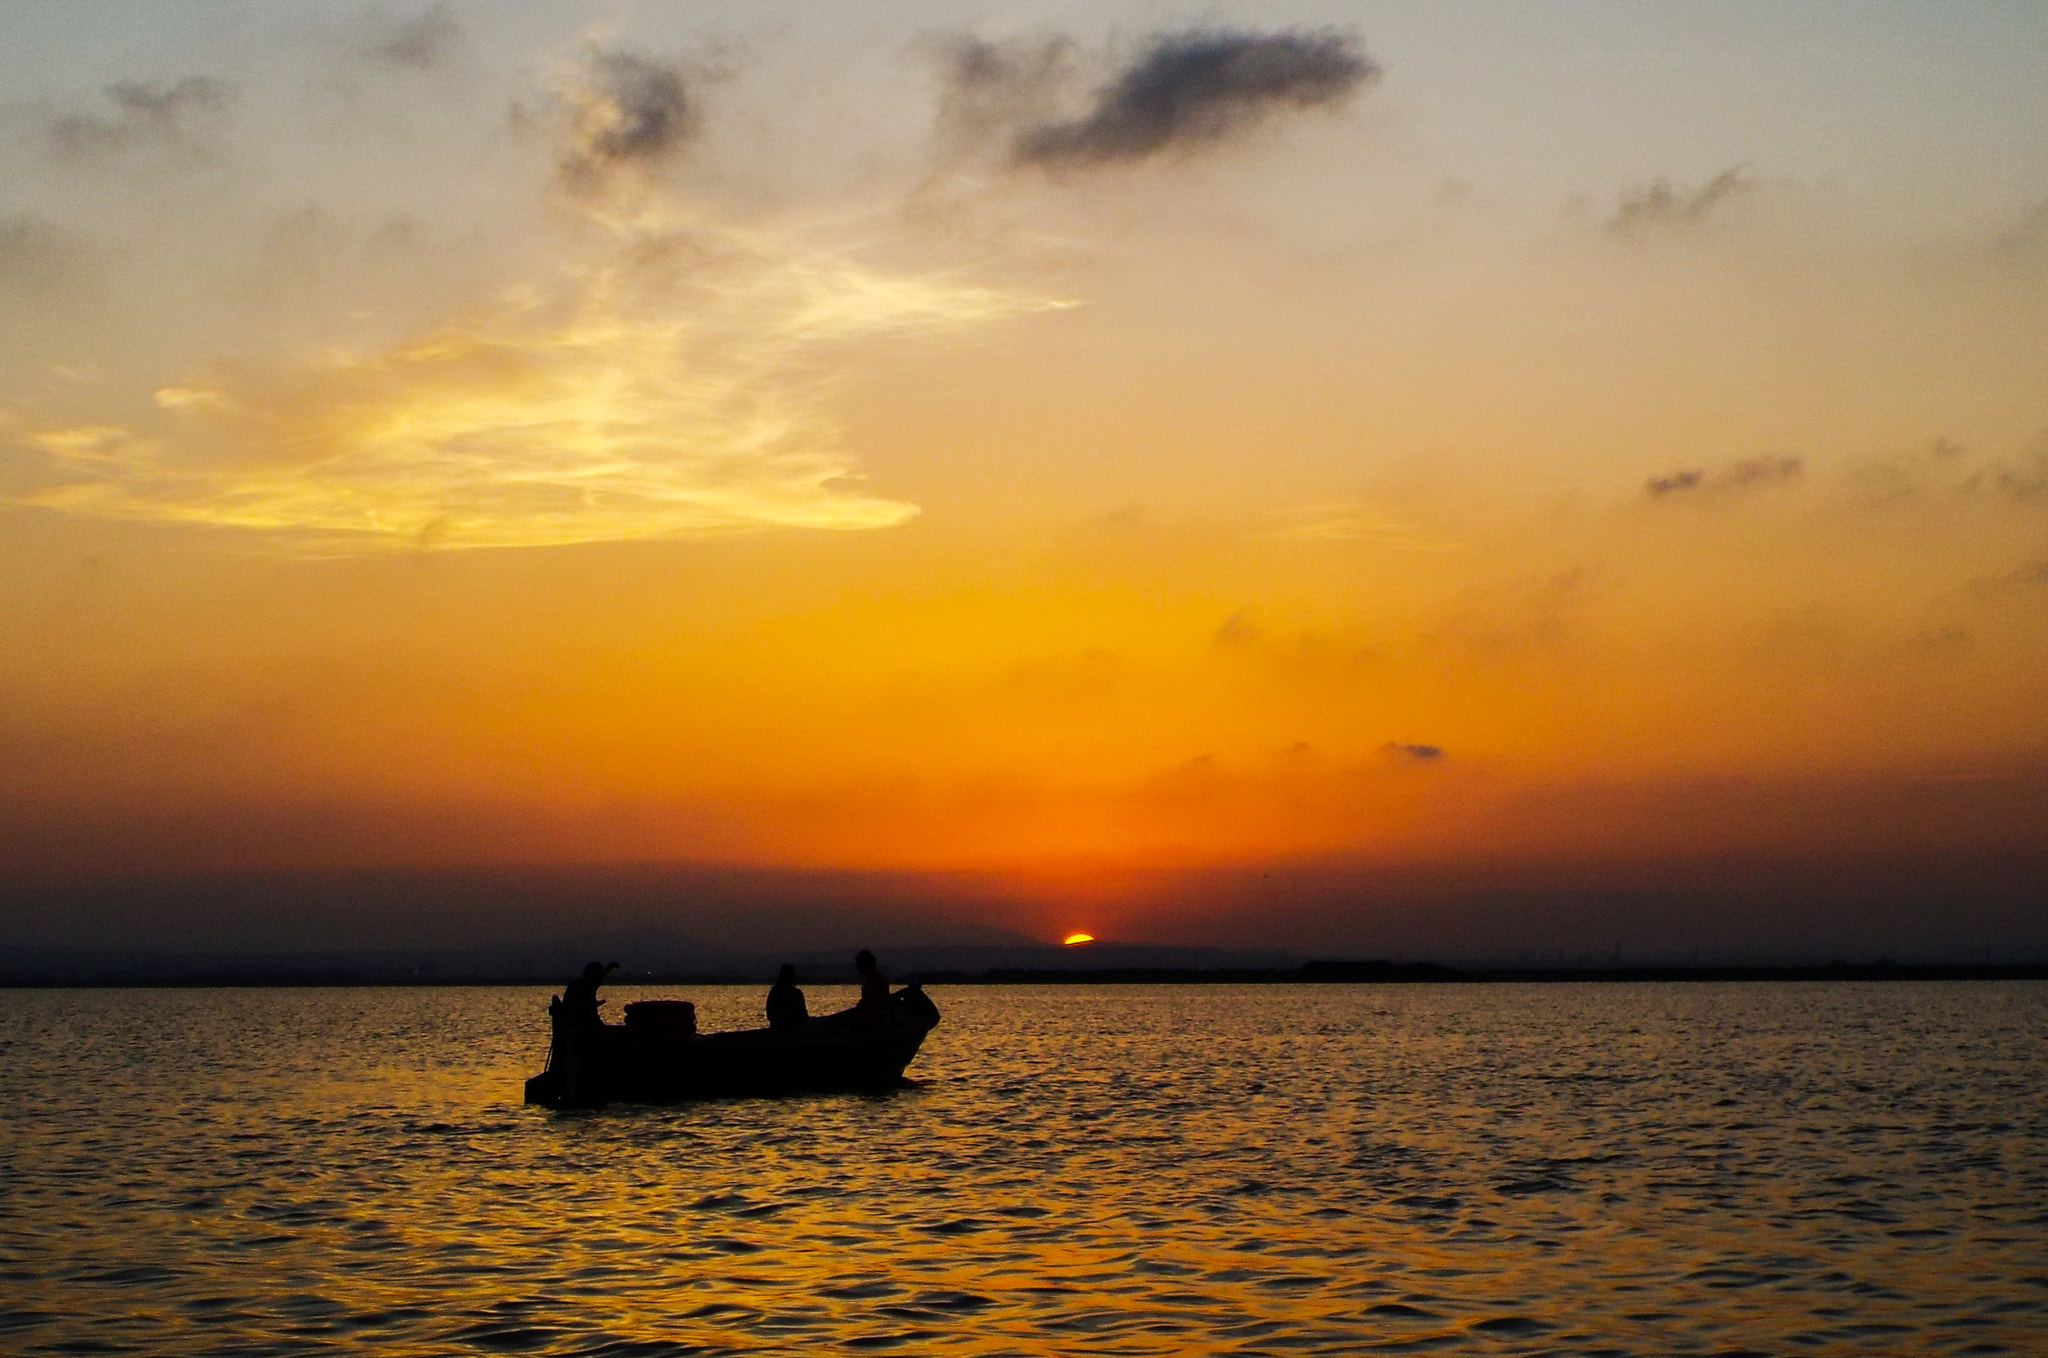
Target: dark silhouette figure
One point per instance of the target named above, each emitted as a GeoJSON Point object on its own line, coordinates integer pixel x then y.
{"type": "Point", "coordinates": [786, 1008]}
{"type": "Point", "coordinates": [873, 1009]}
{"type": "Point", "coordinates": [579, 997]}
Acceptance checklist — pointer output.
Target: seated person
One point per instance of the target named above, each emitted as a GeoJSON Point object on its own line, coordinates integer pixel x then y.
{"type": "Point", "coordinates": [786, 1008]}
{"type": "Point", "coordinates": [874, 990]}
{"type": "Point", "coordinates": [579, 997]}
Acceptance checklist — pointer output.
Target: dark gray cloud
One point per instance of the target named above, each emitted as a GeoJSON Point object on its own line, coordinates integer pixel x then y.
{"type": "Point", "coordinates": [421, 43]}
{"type": "Point", "coordinates": [1190, 90]}
{"type": "Point", "coordinates": [1401, 749]}
{"type": "Point", "coordinates": [1674, 483]}
{"type": "Point", "coordinates": [632, 110]}
{"type": "Point", "coordinates": [1662, 203]}
{"type": "Point", "coordinates": [651, 113]}
{"type": "Point", "coordinates": [146, 115]}
{"type": "Point", "coordinates": [1748, 474]}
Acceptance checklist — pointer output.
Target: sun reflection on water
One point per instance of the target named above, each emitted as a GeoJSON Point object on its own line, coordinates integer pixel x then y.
{"type": "Point", "coordinates": [1082, 1169]}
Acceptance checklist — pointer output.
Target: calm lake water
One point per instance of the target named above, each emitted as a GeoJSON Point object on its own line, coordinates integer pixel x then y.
{"type": "Point", "coordinates": [1576, 1169]}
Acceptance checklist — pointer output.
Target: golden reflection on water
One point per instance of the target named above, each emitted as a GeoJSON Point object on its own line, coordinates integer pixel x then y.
{"type": "Point", "coordinates": [1170, 1170]}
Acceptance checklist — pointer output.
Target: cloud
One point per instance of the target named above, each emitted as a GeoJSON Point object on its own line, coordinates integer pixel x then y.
{"type": "Point", "coordinates": [1343, 521]}
{"type": "Point", "coordinates": [147, 114]}
{"type": "Point", "coordinates": [1239, 629]}
{"type": "Point", "coordinates": [1674, 483]}
{"type": "Point", "coordinates": [2026, 237]}
{"type": "Point", "coordinates": [1420, 753]}
{"type": "Point", "coordinates": [1528, 613]}
{"type": "Point", "coordinates": [623, 404]}
{"type": "Point", "coordinates": [1937, 645]}
{"type": "Point", "coordinates": [1759, 471]}
{"type": "Point", "coordinates": [1662, 204]}
{"type": "Point", "coordinates": [38, 259]}
{"type": "Point", "coordinates": [670, 378]}
{"type": "Point", "coordinates": [2027, 575]}
{"type": "Point", "coordinates": [1192, 90]}
{"type": "Point", "coordinates": [421, 43]}
{"type": "Point", "coordinates": [627, 114]}
{"type": "Point", "coordinates": [2025, 482]}
{"type": "Point", "coordinates": [1747, 474]}
{"type": "Point", "coordinates": [992, 88]}
{"type": "Point", "coordinates": [1794, 635]}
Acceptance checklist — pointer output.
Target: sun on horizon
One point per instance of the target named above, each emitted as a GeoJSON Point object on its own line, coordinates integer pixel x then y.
{"type": "Point", "coordinates": [1073, 939]}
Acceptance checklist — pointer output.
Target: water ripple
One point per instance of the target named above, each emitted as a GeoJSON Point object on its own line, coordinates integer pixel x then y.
{"type": "Point", "coordinates": [1623, 1170]}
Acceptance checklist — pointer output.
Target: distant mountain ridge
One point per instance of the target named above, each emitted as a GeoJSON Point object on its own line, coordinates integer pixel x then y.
{"type": "Point", "coordinates": [641, 953]}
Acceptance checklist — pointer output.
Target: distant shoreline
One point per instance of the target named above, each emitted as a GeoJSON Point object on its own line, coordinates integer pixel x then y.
{"type": "Point", "coordinates": [1312, 973]}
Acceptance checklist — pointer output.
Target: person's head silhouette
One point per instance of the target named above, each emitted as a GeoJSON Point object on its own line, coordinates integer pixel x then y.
{"type": "Point", "coordinates": [787, 976]}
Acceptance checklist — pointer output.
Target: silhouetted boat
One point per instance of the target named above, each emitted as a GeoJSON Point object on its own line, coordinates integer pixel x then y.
{"type": "Point", "coordinates": [592, 1063]}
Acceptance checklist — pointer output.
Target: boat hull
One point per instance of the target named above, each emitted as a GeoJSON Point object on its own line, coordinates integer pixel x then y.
{"type": "Point", "coordinates": [591, 1064]}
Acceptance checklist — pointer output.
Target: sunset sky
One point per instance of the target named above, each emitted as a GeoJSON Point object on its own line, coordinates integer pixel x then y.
{"type": "Point", "coordinates": [1115, 455]}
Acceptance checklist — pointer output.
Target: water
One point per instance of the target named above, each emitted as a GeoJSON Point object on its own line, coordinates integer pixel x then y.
{"type": "Point", "coordinates": [1133, 1170]}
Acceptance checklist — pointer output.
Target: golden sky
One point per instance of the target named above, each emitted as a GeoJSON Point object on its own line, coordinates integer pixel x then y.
{"type": "Point", "coordinates": [1064, 443]}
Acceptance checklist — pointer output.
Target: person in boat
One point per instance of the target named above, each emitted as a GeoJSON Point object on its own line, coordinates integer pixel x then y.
{"type": "Point", "coordinates": [579, 997]}
{"type": "Point", "coordinates": [873, 1009]}
{"type": "Point", "coordinates": [786, 1008]}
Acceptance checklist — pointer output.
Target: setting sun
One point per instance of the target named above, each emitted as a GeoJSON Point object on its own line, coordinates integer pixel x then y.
{"type": "Point", "coordinates": [1071, 939]}
{"type": "Point", "coordinates": [1219, 468]}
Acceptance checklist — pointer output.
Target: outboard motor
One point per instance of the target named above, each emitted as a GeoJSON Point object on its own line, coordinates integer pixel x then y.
{"type": "Point", "coordinates": [914, 1008]}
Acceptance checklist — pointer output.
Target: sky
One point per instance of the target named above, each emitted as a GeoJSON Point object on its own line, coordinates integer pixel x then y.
{"type": "Point", "coordinates": [1320, 476]}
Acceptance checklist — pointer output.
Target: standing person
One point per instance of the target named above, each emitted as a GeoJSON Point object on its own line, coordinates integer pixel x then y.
{"type": "Point", "coordinates": [579, 997]}
{"type": "Point", "coordinates": [786, 1007]}
{"type": "Point", "coordinates": [874, 989]}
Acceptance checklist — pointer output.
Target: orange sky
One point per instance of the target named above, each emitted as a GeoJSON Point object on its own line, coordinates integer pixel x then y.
{"type": "Point", "coordinates": [1062, 446]}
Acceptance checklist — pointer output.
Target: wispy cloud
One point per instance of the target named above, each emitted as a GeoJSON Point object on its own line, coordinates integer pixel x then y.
{"type": "Point", "coordinates": [1423, 754]}
{"type": "Point", "coordinates": [1747, 474]}
{"type": "Point", "coordinates": [1662, 204]}
{"type": "Point", "coordinates": [2026, 575]}
{"type": "Point", "coordinates": [672, 378]}
{"type": "Point", "coordinates": [2023, 482]}
{"type": "Point", "coordinates": [2026, 237]}
{"type": "Point", "coordinates": [146, 115]}
{"type": "Point", "coordinates": [38, 259]}
{"type": "Point", "coordinates": [1239, 629]}
{"type": "Point", "coordinates": [1527, 613]}
{"type": "Point", "coordinates": [1343, 521]}
{"type": "Point", "coordinates": [421, 43]}
{"type": "Point", "coordinates": [627, 113]}
{"type": "Point", "coordinates": [992, 88]}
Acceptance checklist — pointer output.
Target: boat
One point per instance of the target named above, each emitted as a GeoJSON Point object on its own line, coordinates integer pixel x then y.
{"type": "Point", "coordinates": [657, 1056]}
